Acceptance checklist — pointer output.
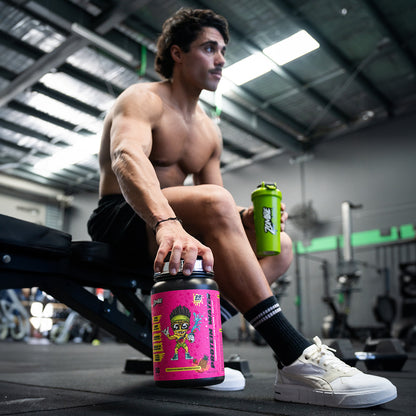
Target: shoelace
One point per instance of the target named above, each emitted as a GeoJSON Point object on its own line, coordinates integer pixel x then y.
{"type": "Point", "coordinates": [324, 354]}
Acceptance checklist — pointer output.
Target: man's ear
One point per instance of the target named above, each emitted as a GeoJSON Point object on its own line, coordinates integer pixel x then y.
{"type": "Point", "coordinates": [176, 53]}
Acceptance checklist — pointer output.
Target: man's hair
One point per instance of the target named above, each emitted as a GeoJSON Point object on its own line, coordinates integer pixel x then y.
{"type": "Point", "coordinates": [182, 29]}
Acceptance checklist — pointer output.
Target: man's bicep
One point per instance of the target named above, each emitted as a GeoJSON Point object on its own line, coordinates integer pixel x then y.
{"type": "Point", "coordinates": [211, 174]}
{"type": "Point", "coordinates": [136, 114]}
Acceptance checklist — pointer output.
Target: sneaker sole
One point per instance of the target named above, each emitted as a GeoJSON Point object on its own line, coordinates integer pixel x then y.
{"type": "Point", "coordinates": [305, 395]}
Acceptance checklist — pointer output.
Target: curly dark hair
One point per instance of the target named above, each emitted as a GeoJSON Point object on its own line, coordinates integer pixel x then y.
{"type": "Point", "coordinates": [182, 29]}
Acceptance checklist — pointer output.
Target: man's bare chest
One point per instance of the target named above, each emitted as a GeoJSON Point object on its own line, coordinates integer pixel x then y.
{"type": "Point", "coordinates": [188, 146]}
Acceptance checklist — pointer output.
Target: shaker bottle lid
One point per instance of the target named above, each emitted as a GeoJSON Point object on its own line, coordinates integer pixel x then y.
{"type": "Point", "coordinates": [267, 185]}
{"type": "Point", "coordinates": [265, 189]}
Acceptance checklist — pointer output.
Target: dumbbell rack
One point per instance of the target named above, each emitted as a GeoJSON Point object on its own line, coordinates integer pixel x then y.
{"type": "Point", "coordinates": [385, 354]}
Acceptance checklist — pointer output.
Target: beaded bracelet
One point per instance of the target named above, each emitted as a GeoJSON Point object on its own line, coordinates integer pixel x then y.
{"type": "Point", "coordinates": [166, 219]}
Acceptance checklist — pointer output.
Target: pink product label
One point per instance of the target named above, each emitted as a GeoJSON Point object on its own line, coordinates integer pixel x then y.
{"type": "Point", "coordinates": [187, 335]}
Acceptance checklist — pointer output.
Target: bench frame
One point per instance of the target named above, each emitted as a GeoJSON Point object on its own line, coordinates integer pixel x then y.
{"type": "Point", "coordinates": [32, 255]}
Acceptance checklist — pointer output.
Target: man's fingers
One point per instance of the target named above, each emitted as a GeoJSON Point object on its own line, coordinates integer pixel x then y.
{"type": "Point", "coordinates": [207, 259]}
{"type": "Point", "coordinates": [161, 254]}
{"type": "Point", "coordinates": [186, 252]}
{"type": "Point", "coordinates": [189, 258]}
{"type": "Point", "coordinates": [175, 259]}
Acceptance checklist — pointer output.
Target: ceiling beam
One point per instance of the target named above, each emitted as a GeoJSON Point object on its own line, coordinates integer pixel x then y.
{"type": "Point", "coordinates": [25, 131]}
{"type": "Point", "coordinates": [53, 12]}
{"type": "Point", "coordinates": [273, 133]}
{"type": "Point", "coordinates": [112, 17]}
{"type": "Point", "coordinates": [26, 109]}
{"type": "Point", "coordinates": [19, 46]}
{"type": "Point", "coordinates": [40, 67]}
{"type": "Point", "coordinates": [10, 145]}
{"type": "Point", "coordinates": [71, 45]}
{"type": "Point", "coordinates": [66, 68]}
{"type": "Point", "coordinates": [56, 95]}
{"type": "Point", "coordinates": [237, 149]}
{"type": "Point", "coordinates": [386, 27]}
{"type": "Point", "coordinates": [67, 100]}
{"type": "Point", "coordinates": [257, 126]}
{"type": "Point", "coordinates": [91, 80]}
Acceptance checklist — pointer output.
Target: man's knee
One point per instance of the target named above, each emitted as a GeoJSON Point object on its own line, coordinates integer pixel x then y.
{"type": "Point", "coordinates": [218, 202]}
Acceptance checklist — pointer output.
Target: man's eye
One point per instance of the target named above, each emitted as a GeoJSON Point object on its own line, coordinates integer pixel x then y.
{"type": "Point", "coordinates": [185, 326]}
{"type": "Point", "coordinates": [176, 327]}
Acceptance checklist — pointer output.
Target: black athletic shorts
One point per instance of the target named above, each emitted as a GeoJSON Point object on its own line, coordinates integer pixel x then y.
{"type": "Point", "coordinates": [115, 222]}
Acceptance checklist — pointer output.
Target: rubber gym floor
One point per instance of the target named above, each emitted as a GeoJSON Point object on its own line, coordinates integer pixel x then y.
{"type": "Point", "coordinates": [37, 378]}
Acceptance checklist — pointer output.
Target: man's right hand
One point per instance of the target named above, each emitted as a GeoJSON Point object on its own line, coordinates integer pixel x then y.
{"type": "Point", "coordinates": [172, 238]}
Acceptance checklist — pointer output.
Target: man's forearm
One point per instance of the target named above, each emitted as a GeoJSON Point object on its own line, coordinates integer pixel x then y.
{"type": "Point", "coordinates": [141, 188]}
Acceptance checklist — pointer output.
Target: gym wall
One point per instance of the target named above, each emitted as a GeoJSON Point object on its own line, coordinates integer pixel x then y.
{"type": "Point", "coordinates": [31, 202]}
{"type": "Point", "coordinates": [374, 167]}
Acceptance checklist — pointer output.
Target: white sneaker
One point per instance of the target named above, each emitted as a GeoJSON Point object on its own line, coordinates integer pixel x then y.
{"type": "Point", "coordinates": [233, 380]}
{"type": "Point", "coordinates": [318, 377]}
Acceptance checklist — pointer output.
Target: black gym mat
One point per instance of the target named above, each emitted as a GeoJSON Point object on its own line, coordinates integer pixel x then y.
{"type": "Point", "coordinates": [81, 379]}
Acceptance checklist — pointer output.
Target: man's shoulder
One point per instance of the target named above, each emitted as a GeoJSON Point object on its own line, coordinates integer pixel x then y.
{"type": "Point", "coordinates": [145, 97]}
{"type": "Point", "coordinates": [143, 89]}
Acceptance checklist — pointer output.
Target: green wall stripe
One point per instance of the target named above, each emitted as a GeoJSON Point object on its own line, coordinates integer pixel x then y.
{"type": "Point", "coordinates": [365, 238]}
{"type": "Point", "coordinates": [407, 231]}
{"type": "Point", "coordinates": [358, 239]}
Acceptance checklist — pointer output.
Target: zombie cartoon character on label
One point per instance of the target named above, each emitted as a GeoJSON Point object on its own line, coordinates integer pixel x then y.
{"type": "Point", "coordinates": [180, 319]}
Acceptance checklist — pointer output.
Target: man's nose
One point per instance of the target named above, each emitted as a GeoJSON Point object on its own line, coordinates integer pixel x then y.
{"type": "Point", "coordinates": [219, 59]}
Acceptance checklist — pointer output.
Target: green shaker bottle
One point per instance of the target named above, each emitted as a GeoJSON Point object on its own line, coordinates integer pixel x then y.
{"type": "Point", "coordinates": [266, 204]}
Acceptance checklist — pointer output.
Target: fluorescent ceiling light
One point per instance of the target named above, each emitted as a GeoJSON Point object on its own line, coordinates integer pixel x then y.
{"type": "Point", "coordinates": [248, 68]}
{"type": "Point", "coordinates": [68, 156]}
{"type": "Point", "coordinates": [292, 47]}
{"type": "Point", "coordinates": [280, 53]}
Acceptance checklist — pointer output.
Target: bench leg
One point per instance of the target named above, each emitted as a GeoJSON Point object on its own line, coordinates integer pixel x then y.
{"type": "Point", "coordinates": [134, 329]}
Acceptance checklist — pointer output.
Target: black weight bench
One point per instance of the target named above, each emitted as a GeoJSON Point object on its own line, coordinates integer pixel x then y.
{"type": "Point", "coordinates": [32, 255]}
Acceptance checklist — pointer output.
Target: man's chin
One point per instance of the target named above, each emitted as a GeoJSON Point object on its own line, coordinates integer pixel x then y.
{"type": "Point", "coordinates": [211, 87]}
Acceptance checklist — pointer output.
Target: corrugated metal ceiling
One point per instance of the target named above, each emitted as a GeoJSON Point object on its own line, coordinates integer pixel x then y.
{"type": "Point", "coordinates": [55, 87]}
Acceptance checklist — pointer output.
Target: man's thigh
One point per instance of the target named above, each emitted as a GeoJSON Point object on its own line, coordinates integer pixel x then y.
{"type": "Point", "coordinates": [115, 222]}
{"type": "Point", "coordinates": [191, 204]}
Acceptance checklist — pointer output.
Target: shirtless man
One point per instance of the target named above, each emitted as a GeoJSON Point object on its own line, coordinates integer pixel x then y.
{"type": "Point", "coordinates": [154, 137]}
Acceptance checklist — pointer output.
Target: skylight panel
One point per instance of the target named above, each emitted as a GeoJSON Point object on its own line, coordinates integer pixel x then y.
{"type": "Point", "coordinates": [292, 47]}
{"type": "Point", "coordinates": [248, 68]}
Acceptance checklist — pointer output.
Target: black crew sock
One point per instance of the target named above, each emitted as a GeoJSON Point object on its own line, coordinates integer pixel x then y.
{"type": "Point", "coordinates": [227, 310]}
{"type": "Point", "coordinates": [268, 319]}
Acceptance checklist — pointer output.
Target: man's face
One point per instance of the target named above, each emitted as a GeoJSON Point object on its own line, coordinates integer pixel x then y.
{"type": "Point", "coordinates": [204, 62]}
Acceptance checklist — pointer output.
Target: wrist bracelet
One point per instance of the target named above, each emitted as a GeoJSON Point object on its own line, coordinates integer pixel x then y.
{"type": "Point", "coordinates": [166, 219]}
